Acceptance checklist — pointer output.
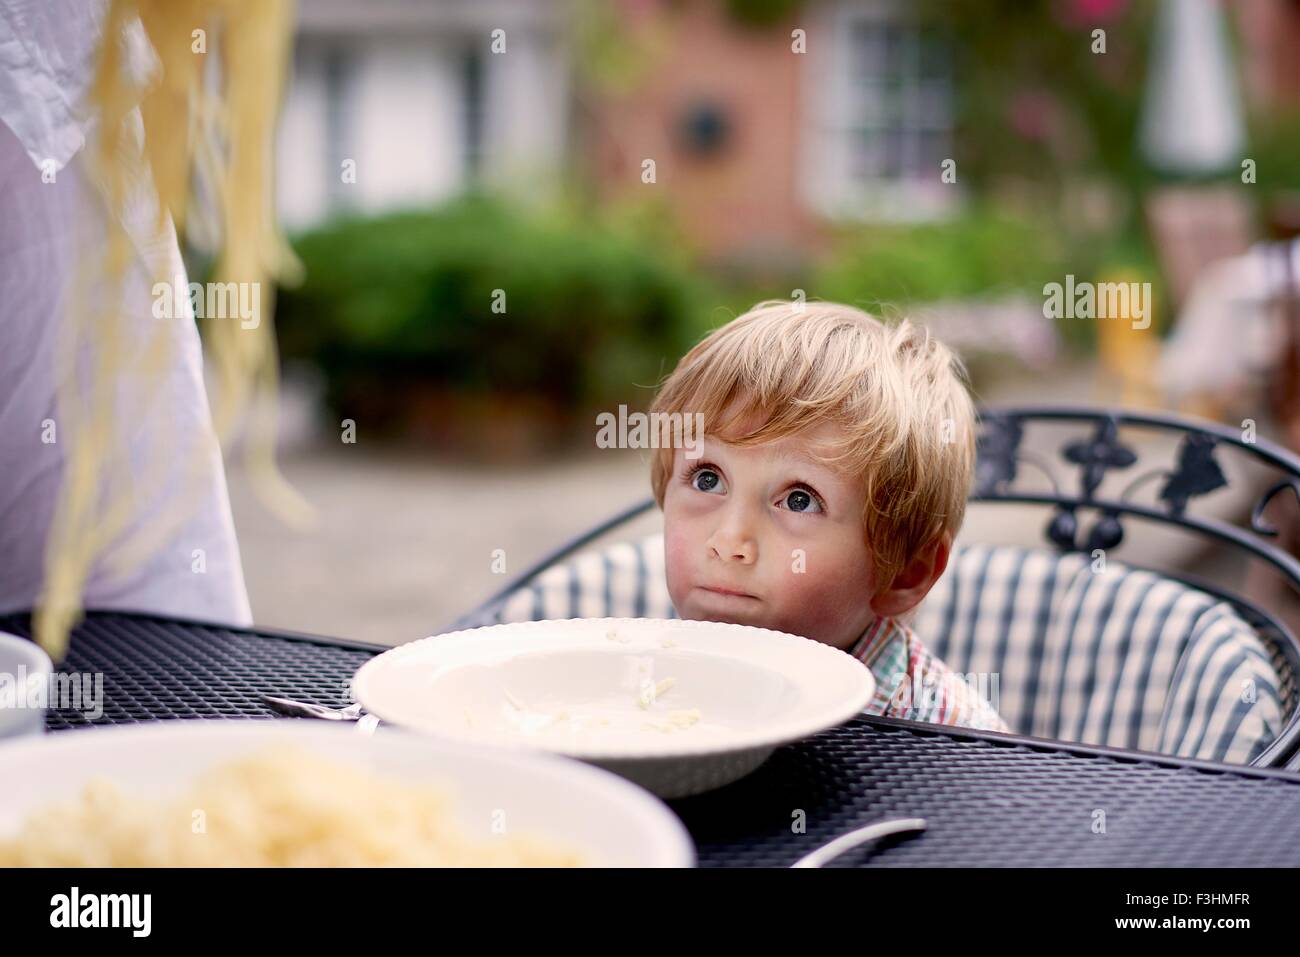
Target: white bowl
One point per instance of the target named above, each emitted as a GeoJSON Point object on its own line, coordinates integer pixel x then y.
{"type": "Point", "coordinates": [612, 822]}
{"type": "Point", "coordinates": [22, 663]}
{"type": "Point", "coordinates": [727, 695]}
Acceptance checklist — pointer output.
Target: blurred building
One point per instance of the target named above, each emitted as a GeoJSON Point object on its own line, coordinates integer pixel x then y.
{"type": "Point", "coordinates": [764, 135]}
{"type": "Point", "coordinates": [409, 92]}
{"type": "Point", "coordinates": [750, 139]}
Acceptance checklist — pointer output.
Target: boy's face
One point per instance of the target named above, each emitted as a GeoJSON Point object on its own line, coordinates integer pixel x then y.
{"type": "Point", "coordinates": [766, 536]}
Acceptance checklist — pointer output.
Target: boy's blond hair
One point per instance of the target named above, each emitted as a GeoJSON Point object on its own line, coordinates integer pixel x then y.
{"type": "Point", "coordinates": [898, 394]}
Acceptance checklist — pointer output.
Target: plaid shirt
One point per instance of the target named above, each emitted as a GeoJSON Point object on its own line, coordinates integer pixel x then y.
{"type": "Point", "coordinates": [911, 683]}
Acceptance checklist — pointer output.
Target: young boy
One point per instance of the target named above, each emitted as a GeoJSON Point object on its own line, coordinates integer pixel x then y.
{"type": "Point", "coordinates": [832, 478]}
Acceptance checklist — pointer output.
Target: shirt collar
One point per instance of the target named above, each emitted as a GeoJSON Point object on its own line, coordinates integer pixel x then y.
{"type": "Point", "coordinates": [876, 637]}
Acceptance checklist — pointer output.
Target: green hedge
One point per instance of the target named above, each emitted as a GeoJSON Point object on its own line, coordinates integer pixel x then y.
{"type": "Point", "coordinates": [409, 296]}
{"type": "Point", "coordinates": [980, 254]}
{"type": "Point", "coordinates": [973, 255]}
{"type": "Point", "coordinates": [400, 306]}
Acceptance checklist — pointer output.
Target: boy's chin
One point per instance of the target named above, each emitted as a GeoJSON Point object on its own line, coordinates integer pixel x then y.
{"type": "Point", "coordinates": [761, 621]}
{"type": "Point", "coordinates": [724, 616]}
{"type": "Point", "coordinates": [730, 620]}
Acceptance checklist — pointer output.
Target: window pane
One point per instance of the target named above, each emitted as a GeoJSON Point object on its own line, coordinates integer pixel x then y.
{"type": "Point", "coordinates": [898, 118]}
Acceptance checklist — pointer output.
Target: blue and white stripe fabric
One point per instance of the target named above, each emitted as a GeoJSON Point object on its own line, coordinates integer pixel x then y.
{"type": "Point", "coordinates": [1107, 655]}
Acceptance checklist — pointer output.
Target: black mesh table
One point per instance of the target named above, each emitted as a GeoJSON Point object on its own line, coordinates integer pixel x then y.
{"type": "Point", "coordinates": [991, 800]}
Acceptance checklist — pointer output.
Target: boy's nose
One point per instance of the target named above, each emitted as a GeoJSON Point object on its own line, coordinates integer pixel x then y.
{"type": "Point", "coordinates": [731, 544]}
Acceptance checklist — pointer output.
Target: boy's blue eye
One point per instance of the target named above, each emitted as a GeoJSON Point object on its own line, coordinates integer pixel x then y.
{"type": "Point", "coordinates": [801, 501]}
{"type": "Point", "coordinates": [705, 480]}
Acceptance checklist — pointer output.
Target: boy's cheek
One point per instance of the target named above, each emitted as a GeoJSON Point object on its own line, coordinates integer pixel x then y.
{"type": "Point", "coordinates": [825, 601]}
{"type": "Point", "coordinates": [823, 567]}
{"type": "Point", "coordinates": [811, 592]}
{"type": "Point", "coordinates": [676, 562]}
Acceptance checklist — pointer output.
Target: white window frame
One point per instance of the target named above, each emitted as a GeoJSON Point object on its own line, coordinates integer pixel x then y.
{"type": "Point", "coordinates": [833, 109]}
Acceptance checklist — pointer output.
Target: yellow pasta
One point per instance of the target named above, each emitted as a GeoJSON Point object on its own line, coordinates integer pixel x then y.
{"type": "Point", "coordinates": [282, 808]}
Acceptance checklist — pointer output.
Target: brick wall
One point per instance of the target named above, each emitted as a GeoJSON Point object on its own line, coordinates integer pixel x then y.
{"type": "Point", "coordinates": [738, 202]}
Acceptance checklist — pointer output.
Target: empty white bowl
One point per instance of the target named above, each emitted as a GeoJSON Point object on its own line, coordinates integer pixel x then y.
{"type": "Point", "coordinates": [679, 707]}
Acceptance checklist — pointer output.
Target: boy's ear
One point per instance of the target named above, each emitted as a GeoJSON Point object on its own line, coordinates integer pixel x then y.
{"type": "Point", "coordinates": [914, 581]}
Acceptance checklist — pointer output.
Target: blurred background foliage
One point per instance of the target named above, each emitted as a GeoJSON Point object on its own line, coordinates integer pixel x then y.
{"type": "Point", "coordinates": [398, 311]}
{"type": "Point", "coordinates": [400, 302]}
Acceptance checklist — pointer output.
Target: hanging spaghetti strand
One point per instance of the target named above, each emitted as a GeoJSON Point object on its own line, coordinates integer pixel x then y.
{"type": "Point", "coordinates": [185, 120]}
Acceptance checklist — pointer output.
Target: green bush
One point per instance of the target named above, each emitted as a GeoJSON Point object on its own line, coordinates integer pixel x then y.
{"type": "Point", "coordinates": [1274, 144]}
{"type": "Point", "coordinates": [976, 255]}
{"type": "Point", "coordinates": [408, 297]}
{"type": "Point", "coordinates": [980, 255]}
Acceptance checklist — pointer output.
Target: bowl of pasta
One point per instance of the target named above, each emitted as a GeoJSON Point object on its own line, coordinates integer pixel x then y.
{"type": "Point", "coordinates": [678, 707]}
{"type": "Point", "coordinates": [296, 793]}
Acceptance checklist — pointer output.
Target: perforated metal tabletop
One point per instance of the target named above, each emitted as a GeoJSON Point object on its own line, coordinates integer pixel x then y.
{"type": "Point", "coordinates": [990, 800]}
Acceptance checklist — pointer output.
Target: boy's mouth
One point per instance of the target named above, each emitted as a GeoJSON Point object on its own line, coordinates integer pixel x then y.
{"type": "Point", "coordinates": [719, 590]}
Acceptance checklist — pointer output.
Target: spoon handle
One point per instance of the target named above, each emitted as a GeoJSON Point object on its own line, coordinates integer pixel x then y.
{"type": "Point", "coordinates": [846, 842]}
{"type": "Point", "coordinates": [303, 709]}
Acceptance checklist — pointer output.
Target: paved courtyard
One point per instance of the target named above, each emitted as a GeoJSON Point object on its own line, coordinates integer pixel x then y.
{"type": "Point", "coordinates": [405, 543]}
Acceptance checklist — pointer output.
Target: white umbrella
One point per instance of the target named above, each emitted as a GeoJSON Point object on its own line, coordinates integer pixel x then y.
{"type": "Point", "coordinates": [1191, 115]}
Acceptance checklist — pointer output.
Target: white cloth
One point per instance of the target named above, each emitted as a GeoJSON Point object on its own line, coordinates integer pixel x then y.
{"type": "Point", "coordinates": [46, 58]}
{"type": "Point", "coordinates": [1228, 332]}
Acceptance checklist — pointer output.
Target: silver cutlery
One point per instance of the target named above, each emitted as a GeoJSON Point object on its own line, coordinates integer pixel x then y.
{"type": "Point", "coordinates": [846, 842]}
{"type": "Point", "coordinates": [303, 709]}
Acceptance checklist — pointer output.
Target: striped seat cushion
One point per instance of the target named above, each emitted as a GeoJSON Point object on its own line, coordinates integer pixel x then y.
{"type": "Point", "coordinates": [1114, 656]}
{"type": "Point", "coordinates": [1121, 657]}
{"type": "Point", "coordinates": [622, 581]}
